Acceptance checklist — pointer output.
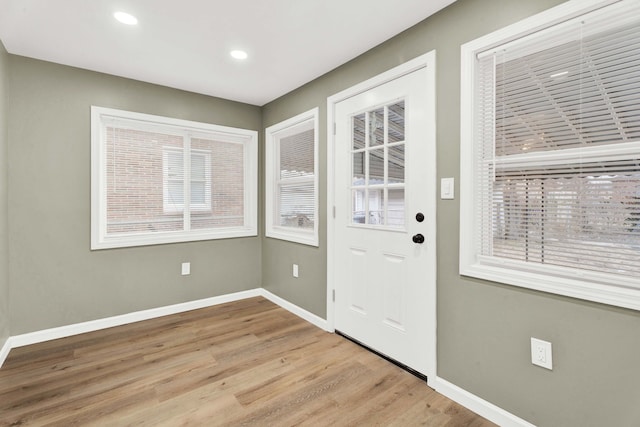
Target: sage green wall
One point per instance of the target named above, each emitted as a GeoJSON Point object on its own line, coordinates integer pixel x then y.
{"type": "Point", "coordinates": [484, 328]}
{"type": "Point", "coordinates": [4, 247]}
{"type": "Point", "coordinates": [55, 279]}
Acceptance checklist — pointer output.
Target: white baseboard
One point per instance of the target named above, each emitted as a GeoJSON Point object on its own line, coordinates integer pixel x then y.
{"type": "Point", "coordinates": [136, 316]}
{"type": "Point", "coordinates": [4, 351]}
{"type": "Point", "coordinates": [300, 312]}
{"type": "Point", "coordinates": [480, 406]}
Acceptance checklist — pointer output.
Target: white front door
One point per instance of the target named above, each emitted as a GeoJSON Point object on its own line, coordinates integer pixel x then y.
{"type": "Point", "coordinates": [384, 227]}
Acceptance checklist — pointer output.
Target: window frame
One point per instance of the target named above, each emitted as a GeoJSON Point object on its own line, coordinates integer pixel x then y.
{"type": "Point", "coordinates": [99, 237]}
{"type": "Point", "coordinates": [577, 283]}
{"type": "Point", "coordinates": [273, 182]}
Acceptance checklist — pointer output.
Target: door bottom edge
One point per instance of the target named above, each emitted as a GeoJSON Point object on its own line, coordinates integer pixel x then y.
{"type": "Point", "coordinates": [400, 365]}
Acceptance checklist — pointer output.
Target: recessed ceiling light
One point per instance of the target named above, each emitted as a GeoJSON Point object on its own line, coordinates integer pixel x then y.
{"type": "Point", "coordinates": [558, 75]}
{"type": "Point", "coordinates": [125, 18]}
{"type": "Point", "coordinates": [239, 54]}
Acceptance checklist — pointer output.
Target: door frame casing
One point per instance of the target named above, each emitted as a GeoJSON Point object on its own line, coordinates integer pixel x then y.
{"type": "Point", "coordinates": [427, 61]}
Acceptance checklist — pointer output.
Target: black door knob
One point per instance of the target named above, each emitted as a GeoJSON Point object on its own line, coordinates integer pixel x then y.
{"type": "Point", "coordinates": [418, 238]}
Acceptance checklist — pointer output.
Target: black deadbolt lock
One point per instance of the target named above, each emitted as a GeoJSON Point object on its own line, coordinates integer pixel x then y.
{"type": "Point", "coordinates": [419, 217]}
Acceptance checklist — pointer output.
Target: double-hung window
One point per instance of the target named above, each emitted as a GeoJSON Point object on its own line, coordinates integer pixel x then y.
{"type": "Point", "coordinates": [550, 153]}
{"type": "Point", "coordinates": [162, 180]}
{"type": "Point", "coordinates": [291, 179]}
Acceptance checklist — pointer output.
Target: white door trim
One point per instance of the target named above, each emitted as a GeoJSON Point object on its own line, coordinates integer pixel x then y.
{"type": "Point", "coordinates": [427, 61]}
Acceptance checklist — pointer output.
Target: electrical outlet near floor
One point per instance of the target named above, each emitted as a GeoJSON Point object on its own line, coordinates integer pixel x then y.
{"type": "Point", "coordinates": [541, 353]}
{"type": "Point", "coordinates": [295, 270]}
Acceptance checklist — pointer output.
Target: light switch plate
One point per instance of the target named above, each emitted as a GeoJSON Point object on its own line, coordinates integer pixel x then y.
{"type": "Point", "coordinates": [186, 268]}
{"type": "Point", "coordinates": [447, 188]}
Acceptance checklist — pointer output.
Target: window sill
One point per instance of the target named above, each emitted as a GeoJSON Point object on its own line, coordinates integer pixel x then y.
{"type": "Point", "coordinates": [562, 281]}
{"type": "Point", "coordinates": [304, 238]}
{"type": "Point", "coordinates": [160, 238]}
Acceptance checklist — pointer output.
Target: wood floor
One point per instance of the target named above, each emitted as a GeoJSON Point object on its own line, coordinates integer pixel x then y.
{"type": "Point", "coordinates": [244, 363]}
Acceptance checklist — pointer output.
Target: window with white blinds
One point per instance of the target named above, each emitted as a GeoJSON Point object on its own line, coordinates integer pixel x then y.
{"type": "Point", "coordinates": [551, 153]}
{"type": "Point", "coordinates": [292, 189]}
{"type": "Point", "coordinates": [162, 180]}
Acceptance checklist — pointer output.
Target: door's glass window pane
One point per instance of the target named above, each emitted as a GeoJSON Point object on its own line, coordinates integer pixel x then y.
{"type": "Point", "coordinates": [359, 134]}
{"type": "Point", "coordinates": [376, 127]}
{"type": "Point", "coordinates": [376, 207]}
{"type": "Point", "coordinates": [358, 207]}
{"type": "Point", "coordinates": [396, 164]}
{"type": "Point", "coordinates": [395, 207]}
{"type": "Point", "coordinates": [376, 166]}
{"type": "Point", "coordinates": [358, 169]}
{"type": "Point", "coordinates": [395, 125]}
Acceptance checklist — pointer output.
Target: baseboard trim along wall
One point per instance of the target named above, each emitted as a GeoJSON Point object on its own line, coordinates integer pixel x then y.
{"type": "Point", "coordinates": [300, 312]}
{"type": "Point", "coordinates": [442, 386]}
{"type": "Point", "coordinates": [478, 405]}
{"type": "Point", "coordinates": [137, 316]}
{"type": "Point", "coordinates": [4, 351]}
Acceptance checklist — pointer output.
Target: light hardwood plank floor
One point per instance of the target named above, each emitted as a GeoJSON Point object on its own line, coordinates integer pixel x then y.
{"type": "Point", "coordinates": [248, 362]}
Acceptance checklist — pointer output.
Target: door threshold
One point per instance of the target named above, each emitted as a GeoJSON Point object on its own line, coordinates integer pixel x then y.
{"type": "Point", "coordinates": [410, 370]}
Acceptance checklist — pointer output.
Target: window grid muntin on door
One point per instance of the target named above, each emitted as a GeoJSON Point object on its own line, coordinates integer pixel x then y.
{"type": "Point", "coordinates": [378, 167]}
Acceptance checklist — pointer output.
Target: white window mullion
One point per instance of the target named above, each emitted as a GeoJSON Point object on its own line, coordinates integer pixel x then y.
{"type": "Point", "coordinates": [99, 180]}
{"type": "Point", "coordinates": [277, 205]}
{"type": "Point", "coordinates": [385, 192]}
{"type": "Point", "coordinates": [186, 158]}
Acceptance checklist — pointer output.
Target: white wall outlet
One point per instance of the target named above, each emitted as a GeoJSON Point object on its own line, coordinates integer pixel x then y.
{"type": "Point", "coordinates": [447, 188]}
{"type": "Point", "coordinates": [295, 270]}
{"type": "Point", "coordinates": [541, 353]}
{"type": "Point", "coordinates": [186, 268]}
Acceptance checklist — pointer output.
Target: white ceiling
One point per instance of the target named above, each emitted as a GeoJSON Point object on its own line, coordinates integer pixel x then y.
{"type": "Point", "coordinates": [185, 44]}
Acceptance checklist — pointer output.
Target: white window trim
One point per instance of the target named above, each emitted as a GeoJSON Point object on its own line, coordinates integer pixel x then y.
{"type": "Point", "coordinates": [177, 207]}
{"type": "Point", "coordinates": [272, 182]}
{"type": "Point", "coordinates": [99, 237]}
{"type": "Point", "coordinates": [576, 283]}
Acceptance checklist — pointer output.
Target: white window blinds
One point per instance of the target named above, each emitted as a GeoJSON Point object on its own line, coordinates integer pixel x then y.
{"type": "Point", "coordinates": [158, 180]}
{"type": "Point", "coordinates": [292, 182]}
{"type": "Point", "coordinates": [561, 147]}
{"type": "Point", "coordinates": [296, 183]}
{"type": "Point", "coordinates": [556, 143]}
